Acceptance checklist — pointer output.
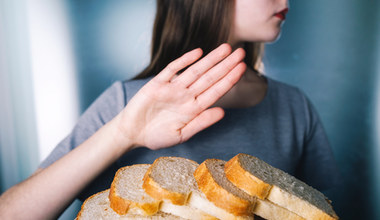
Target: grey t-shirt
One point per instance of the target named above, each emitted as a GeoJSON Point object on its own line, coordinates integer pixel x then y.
{"type": "Point", "coordinates": [284, 130]}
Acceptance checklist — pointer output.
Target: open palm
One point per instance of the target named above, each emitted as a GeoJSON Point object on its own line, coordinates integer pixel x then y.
{"type": "Point", "coordinates": [171, 108]}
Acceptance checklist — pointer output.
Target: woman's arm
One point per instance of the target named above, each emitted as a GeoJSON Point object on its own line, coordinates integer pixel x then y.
{"type": "Point", "coordinates": [48, 192]}
{"type": "Point", "coordinates": [168, 110]}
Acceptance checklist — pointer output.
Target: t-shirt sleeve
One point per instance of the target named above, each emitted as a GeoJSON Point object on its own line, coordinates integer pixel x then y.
{"type": "Point", "coordinates": [317, 165]}
{"type": "Point", "coordinates": [101, 111]}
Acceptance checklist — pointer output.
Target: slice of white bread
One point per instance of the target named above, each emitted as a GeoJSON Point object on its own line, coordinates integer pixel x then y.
{"type": "Point", "coordinates": [98, 207]}
{"type": "Point", "coordinates": [199, 201]}
{"type": "Point", "coordinates": [213, 182]}
{"type": "Point", "coordinates": [271, 211]}
{"type": "Point", "coordinates": [171, 180]}
{"type": "Point", "coordinates": [127, 194]}
{"type": "Point", "coordinates": [260, 179]}
{"type": "Point", "coordinates": [185, 211]}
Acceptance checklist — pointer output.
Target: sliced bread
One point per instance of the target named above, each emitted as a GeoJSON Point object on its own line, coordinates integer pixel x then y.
{"type": "Point", "coordinates": [260, 179]}
{"type": "Point", "coordinates": [98, 207]}
{"type": "Point", "coordinates": [171, 180]}
{"type": "Point", "coordinates": [185, 211]}
{"type": "Point", "coordinates": [199, 201]}
{"type": "Point", "coordinates": [271, 211]}
{"type": "Point", "coordinates": [214, 184]}
{"type": "Point", "coordinates": [127, 195]}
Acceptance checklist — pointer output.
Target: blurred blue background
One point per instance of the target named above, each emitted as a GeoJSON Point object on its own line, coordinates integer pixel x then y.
{"type": "Point", "coordinates": [57, 56]}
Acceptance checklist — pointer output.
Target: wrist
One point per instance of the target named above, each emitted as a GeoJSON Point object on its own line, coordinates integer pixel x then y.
{"type": "Point", "coordinates": [121, 135]}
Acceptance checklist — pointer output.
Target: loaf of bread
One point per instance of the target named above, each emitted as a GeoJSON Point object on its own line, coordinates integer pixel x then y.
{"type": "Point", "coordinates": [179, 188]}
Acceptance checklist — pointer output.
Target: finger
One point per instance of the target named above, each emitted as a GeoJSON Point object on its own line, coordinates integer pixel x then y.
{"type": "Point", "coordinates": [202, 121]}
{"type": "Point", "coordinates": [215, 92]}
{"type": "Point", "coordinates": [196, 70]}
{"type": "Point", "coordinates": [175, 66]}
{"type": "Point", "coordinates": [217, 72]}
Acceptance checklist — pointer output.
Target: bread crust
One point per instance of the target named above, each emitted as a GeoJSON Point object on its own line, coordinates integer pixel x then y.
{"type": "Point", "coordinates": [220, 196]}
{"type": "Point", "coordinates": [157, 216]}
{"type": "Point", "coordinates": [199, 201]}
{"type": "Point", "coordinates": [155, 190]}
{"type": "Point", "coordinates": [121, 205]}
{"type": "Point", "coordinates": [79, 216]}
{"type": "Point", "coordinates": [256, 187]}
{"type": "Point", "coordinates": [297, 205]}
{"type": "Point", "coordinates": [240, 177]}
{"type": "Point", "coordinates": [269, 210]}
{"type": "Point", "coordinates": [185, 211]}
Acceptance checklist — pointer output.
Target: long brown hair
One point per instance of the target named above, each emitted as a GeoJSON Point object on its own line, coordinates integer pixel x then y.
{"type": "Point", "coordinates": [183, 25]}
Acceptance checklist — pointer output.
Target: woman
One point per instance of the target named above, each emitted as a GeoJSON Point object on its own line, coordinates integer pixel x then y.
{"type": "Point", "coordinates": [172, 108]}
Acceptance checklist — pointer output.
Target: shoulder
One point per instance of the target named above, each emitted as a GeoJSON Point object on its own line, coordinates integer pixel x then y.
{"type": "Point", "coordinates": [108, 103]}
{"type": "Point", "coordinates": [286, 92]}
{"type": "Point", "coordinates": [114, 94]}
{"type": "Point", "coordinates": [104, 108]}
{"type": "Point", "coordinates": [293, 101]}
{"type": "Point", "coordinates": [115, 98]}
{"type": "Point", "coordinates": [131, 87]}
{"type": "Point", "coordinates": [289, 95]}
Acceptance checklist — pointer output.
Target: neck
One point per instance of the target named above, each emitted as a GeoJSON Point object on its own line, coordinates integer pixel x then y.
{"type": "Point", "coordinates": [248, 92]}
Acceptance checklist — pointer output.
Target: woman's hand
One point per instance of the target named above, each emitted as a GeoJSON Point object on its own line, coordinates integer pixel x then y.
{"type": "Point", "coordinates": [171, 108]}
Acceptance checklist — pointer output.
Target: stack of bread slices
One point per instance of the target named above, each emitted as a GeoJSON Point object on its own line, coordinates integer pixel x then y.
{"type": "Point", "coordinates": [178, 188]}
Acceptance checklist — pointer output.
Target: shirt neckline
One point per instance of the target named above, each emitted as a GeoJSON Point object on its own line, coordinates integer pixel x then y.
{"type": "Point", "coordinates": [262, 102]}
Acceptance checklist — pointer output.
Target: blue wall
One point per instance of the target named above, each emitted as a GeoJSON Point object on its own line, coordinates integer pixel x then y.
{"type": "Point", "coordinates": [328, 48]}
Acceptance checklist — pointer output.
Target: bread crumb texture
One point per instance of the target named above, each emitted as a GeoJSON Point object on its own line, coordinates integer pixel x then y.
{"type": "Point", "coordinates": [179, 188]}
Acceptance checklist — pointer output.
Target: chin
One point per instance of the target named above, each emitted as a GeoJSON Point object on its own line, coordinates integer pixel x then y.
{"type": "Point", "coordinates": [269, 37]}
{"type": "Point", "coordinates": [273, 38]}
{"type": "Point", "coordinates": [272, 35]}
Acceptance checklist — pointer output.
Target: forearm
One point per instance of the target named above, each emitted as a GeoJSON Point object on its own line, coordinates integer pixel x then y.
{"type": "Point", "coordinates": [46, 194]}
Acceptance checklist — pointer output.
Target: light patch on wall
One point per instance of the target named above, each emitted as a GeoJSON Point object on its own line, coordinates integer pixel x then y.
{"type": "Point", "coordinates": [376, 133]}
{"type": "Point", "coordinates": [53, 72]}
{"type": "Point", "coordinates": [18, 153]}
